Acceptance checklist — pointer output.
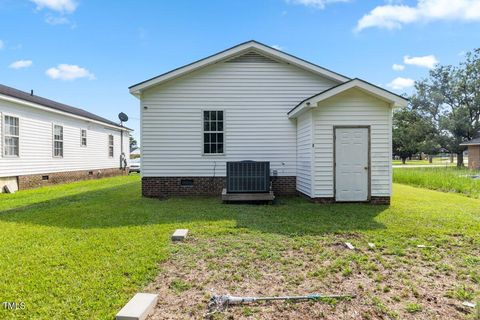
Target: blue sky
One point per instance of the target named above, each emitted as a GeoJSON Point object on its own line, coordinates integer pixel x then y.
{"type": "Point", "coordinates": [86, 53]}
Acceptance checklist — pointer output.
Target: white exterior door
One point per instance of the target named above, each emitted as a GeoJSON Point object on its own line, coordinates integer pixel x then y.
{"type": "Point", "coordinates": [351, 164]}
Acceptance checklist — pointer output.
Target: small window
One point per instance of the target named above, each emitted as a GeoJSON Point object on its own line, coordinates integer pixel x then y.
{"type": "Point", "coordinates": [57, 141]}
{"type": "Point", "coordinates": [11, 131]}
{"type": "Point", "coordinates": [110, 146]}
{"type": "Point", "coordinates": [83, 137]}
{"type": "Point", "coordinates": [45, 178]}
{"type": "Point", "coordinates": [213, 132]}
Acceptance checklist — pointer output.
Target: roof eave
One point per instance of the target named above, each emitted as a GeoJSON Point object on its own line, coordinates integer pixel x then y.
{"type": "Point", "coordinates": [49, 109]}
{"type": "Point", "coordinates": [466, 144]}
{"type": "Point", "coordinates": [393, 99]}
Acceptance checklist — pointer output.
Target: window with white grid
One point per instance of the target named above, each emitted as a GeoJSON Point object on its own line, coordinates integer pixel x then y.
{"type": "Point", "coordinates": [57, 141]}
{"type": "Point", "coordinates": [83, 137]}
{"type": "Point", "coordinates": [213, 132]}
{"type": "Point", "coordinates": [11, 142]}
{"type": "Point", "coordinates": [110, 146]}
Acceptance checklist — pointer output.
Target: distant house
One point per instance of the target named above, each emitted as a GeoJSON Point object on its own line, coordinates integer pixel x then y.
{"type": "Point", "coordinates": [44, 142]}
{"type": "Point", "coordinates": [326, 136]}
{"type": "Point", "coordinates": [473, 153]}
{"type": "Point", "coordinates": [134, 154]}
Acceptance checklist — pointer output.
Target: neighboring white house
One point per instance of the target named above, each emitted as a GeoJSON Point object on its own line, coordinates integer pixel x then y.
{"type": "Point", "coordinates": [43, 141]}
{"type": "Point", "coordinates": [135, 153]}
{"type": "Point", "coordinates": [325, 135]}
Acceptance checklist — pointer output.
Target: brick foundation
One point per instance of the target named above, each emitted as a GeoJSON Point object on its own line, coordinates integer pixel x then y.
{"type": "Point", "coordinates": [323, 200]}
{"type": "Point", "coordinates": [474, 157]}
{"type": "Point", "coordinates": [40, 180]}
{"type": "Point", "coordinates": [161, 187]}
{"type": "Point", "coordinates": [164, 187]}
{"type": "Point", "coordinates": [380, 200]}
{"type": "Point", "coordinates": [330, 200]}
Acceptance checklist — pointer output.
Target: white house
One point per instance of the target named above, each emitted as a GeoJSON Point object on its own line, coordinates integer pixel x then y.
{"type": "Point", "coordinates": [325, 135]}
{"type": "Point", "coordinates": [43, 142]}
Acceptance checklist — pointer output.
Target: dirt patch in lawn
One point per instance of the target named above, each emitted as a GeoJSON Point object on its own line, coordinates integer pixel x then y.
{"type": "Point", "coordinates": [410, 283]}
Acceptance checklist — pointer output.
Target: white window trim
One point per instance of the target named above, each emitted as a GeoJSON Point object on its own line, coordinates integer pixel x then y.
{"type": "Point", "coordinates": [2, 144]}
{"type": "Point", "coordinates": [113, 146]}
{"type": "Point", "coordinates": [81, 138]}
{"type": "Point", "coordinates": [224, 132]}
{"type": "Point", "coordinates": [53, 140]}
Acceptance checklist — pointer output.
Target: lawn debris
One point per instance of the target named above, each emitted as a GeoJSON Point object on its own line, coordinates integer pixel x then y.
{"type": "Point", "coordinates": [139, 307]}
{"type": "Point", "coordinates": [349, 246]}
{"type": "Point", "coordinates": [9, 188]}
{"type": "Point", "coordinates": [371, 245]}
{"type": "Point", "coordinates": [469, 304]}
{"type": "Point", "coordinates": [424, 246]}
{"type": "Point", "coordinates": [179, 234]}
{"type": "Point", "coordinates": [221, 303]}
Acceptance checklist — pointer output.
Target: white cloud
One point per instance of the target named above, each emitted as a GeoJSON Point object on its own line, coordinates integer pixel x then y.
{"type": "Point", "coordinates": [317, 4]}
{"type": "Point", "coordinates": [2, 45]}
{"type": "Point", "coordinates": [398, 67]}
{"type": "Point", "coordinates": [56, 20]}
{"type": "Point", "coordinates": [69, 72]}
{"type": "Point", "coordinates": [395, 16]}
{"type": "Point", "coordinates": [401, 83]}
{"type": "Point", "coordinates": [425, 62]}
{"type": "Point", "coordinates": [63, 6]}
{"type": "Point", "coordinates": [20, 64]}
{"type": "Point", "coordinates": [278, 47]}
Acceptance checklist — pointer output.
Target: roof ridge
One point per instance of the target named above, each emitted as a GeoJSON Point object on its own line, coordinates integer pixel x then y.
{"type": "Point", "coordinates": [256, 45]}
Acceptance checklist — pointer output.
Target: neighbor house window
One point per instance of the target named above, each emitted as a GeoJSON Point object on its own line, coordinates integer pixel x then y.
{"type": "Point", "coordinates": [213, 134]}
{"type": "Point", "coordinates": [110, 146]}
{"type": "Point", "coordinates": [11, 136]}
{"type": "Point", "coordinates": [83, 137]}
{"type": "Point", "coordinates": [57, 141]}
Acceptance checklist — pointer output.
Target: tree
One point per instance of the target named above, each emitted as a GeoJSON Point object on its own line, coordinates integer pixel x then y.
{"type": "Point", "coordinates": [133, 143]}
{"type": "Point", "coordinates": [450, 98]}
{"type": "Point", "coordinates": [410, 133]}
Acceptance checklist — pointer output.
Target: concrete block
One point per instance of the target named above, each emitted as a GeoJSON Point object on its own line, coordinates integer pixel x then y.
{"type": "Point", "coordinates": [179, 235]}
{"type": "Point", "coordinates": [349, 246]}
{"type": "Point", "coordinates": [139, 307]}
{"type": "Point", "coordinates": [469, 304]}
{"type": "Point", "coordinates": [10, 188]}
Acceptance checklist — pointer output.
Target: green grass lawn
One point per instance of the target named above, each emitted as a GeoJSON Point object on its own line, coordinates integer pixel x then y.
{"type": "Point", "coordinates": [436, 161]}
{"type": "Point", "coordinates": [452, 179]}
{"type": "Point", "coordinates": [81, 250]}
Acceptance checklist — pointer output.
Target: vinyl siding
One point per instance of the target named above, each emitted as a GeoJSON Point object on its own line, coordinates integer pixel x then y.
{"type": "Point", "coordinates": [36, 140]}
{"type": "Point", "coordinates": [255, 97]}
{"type": "Point", "coordinates": [304, 153]}
{"type": "Point", "coordinates": [354, 108]}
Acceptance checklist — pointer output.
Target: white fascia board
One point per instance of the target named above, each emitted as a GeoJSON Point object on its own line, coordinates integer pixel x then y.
{"type": "Point", "coordinates": [48, 109]}
{"type": "Point", "coordinates": [245, 47]}
{"type": "Point", "coordinates": [393, 99]}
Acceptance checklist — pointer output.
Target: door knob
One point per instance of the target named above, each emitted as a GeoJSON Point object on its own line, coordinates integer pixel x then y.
{"type": "Point", "coordinates": [366, 168]}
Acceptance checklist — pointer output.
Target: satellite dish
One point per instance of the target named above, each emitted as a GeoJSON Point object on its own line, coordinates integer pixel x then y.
{"type": "Point", "coordinates": [123, 117]}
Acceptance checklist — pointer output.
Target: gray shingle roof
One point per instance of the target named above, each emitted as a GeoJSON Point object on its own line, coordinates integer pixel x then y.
{"type": "Point", "coordinates": [473, 142]}
{"type": "Point", "coordinates": [12, 92]}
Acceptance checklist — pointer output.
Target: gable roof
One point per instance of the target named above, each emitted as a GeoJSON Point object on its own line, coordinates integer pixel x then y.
{"type": "Point", "coordinates": [63, 108]}
{"type": "Point", "coordinates": [234, 51]}
{"type": "Point", "coordinates": [311, 102]}
{"type": "Point", "coordinates": [473, 142]}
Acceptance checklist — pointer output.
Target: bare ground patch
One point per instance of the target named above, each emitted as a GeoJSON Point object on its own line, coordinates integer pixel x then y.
{"type": "Point", "coordinates": [390, 282]}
